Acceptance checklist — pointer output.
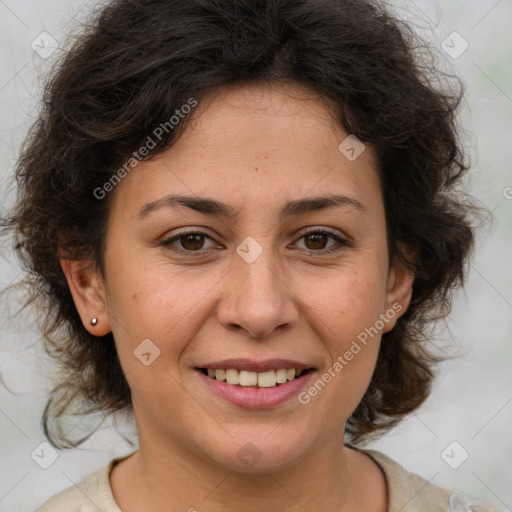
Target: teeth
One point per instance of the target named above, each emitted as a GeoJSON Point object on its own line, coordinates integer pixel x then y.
{"type": "Point", "coordinates": [244, 378]}
{"type": "Point", "coordinates": [232, 377]}
{"type": "Point", "coordinates": [281, 376]}
{"type": "Point", "coordinates": [267, 379]}
{"type": "Point", "coordinates": [247, 378]}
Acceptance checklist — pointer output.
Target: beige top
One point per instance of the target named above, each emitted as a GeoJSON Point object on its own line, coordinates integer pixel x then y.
{"type": "Point", "coordinates": [407, 492]}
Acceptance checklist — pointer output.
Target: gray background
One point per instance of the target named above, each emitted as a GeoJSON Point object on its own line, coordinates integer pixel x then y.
{"type": "Point", "coordinates": [471, 403]}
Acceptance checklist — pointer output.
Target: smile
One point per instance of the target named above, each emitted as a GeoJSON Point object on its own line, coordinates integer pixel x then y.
{"type": "Point", "coordinates": [248, 379]}
{"type": "Point", "coordinates": [254, 390]}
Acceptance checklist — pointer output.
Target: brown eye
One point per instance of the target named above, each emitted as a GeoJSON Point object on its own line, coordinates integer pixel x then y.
{"type": "Point", "coordinates": [192, 241]}
{"type": "Point", "coordinates": [316, 240]}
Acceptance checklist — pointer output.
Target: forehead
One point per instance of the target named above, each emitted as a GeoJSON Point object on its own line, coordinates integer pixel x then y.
{"type": "Point", "coordinates": [258, 140]}
{"type": "Point", "coordinates": [262, 117]}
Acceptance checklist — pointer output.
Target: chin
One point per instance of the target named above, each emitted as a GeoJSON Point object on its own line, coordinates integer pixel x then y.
{"type": "Point", "coordinates": [259, 453]}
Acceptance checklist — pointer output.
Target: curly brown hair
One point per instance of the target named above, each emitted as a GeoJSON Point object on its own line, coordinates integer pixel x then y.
{"type": "Point", "coordinates": [137, 61]}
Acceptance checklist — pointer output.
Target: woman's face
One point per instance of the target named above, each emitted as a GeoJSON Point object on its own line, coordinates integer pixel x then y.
{"type": "Point", "coordinates": [252, 286]}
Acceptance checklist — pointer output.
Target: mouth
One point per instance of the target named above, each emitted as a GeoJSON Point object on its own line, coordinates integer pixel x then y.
{"type": "Point", "coordinates": [255, 380]}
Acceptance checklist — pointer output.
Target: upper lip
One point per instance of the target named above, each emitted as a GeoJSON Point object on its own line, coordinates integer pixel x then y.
{"type": "Point", "coordinates": [251, 365]}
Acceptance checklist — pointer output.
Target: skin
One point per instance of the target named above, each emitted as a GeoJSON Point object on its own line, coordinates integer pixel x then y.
{"type": "Point", "coordinates": [252, 147]}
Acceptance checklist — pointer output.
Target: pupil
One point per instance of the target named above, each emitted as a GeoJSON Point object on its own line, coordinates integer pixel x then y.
{"type": "Point", "coordinates": [195, 239]}
{"type": "Point", "coordinates": [317, 240]}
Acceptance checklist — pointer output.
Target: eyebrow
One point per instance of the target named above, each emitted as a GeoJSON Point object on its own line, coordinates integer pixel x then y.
{"type": "Point", "coordinates": [210, 206]}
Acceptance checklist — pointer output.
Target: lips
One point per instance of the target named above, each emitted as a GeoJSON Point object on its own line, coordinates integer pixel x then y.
{"type": "Point", "coordinates": [263, 394]}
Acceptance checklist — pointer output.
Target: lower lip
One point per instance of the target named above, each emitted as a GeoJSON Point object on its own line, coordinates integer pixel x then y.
{"type": "Point", "coordinates": [256, 398]}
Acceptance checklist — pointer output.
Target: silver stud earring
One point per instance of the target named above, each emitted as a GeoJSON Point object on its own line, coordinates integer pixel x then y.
{"type": "Point", "coordinates": [94, 321]}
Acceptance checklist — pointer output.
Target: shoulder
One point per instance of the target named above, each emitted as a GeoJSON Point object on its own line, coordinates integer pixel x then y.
{"type": "Point", "coordinates": [409, 492]}
{"type": "Point", "coordinates": [90, 495]}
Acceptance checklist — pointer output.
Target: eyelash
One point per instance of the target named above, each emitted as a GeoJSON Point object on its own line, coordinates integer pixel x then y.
{"type": "Point", "coordinates": [169, 241]}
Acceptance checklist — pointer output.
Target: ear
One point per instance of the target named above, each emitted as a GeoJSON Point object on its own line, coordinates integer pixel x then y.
{"type": "Point", "coordinates": [399, 289]}
{"type": "Point", "coordinates": [88, 291]}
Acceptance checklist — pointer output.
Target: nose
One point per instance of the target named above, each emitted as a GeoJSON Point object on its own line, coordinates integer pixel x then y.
{"type": "Point", "coordinates": [257, 298]}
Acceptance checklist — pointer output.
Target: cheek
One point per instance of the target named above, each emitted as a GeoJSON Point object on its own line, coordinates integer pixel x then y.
{"type": "Point", "coordinates": [164, 305]}
{"type": "Point", "coordinates": [146, 307]}
{"type": "Point", "coordinates": [345, 305]}
{"type": "Point", "coordinates": [345, 315]}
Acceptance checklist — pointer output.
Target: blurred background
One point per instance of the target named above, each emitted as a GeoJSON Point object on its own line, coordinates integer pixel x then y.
{"type": "Point", "coordinates": [461, 437]}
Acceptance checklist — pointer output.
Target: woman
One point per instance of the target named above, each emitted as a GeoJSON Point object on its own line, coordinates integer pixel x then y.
{"type": "Point", "coordinates": [243, 219]}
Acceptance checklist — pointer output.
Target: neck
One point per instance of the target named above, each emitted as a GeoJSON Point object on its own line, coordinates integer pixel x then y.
{"type": "Point", "coordinates": [165, 476]}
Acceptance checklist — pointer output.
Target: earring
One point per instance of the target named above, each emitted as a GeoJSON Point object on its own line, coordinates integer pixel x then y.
{"type": "Point", "coordinates": [94, 321]}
